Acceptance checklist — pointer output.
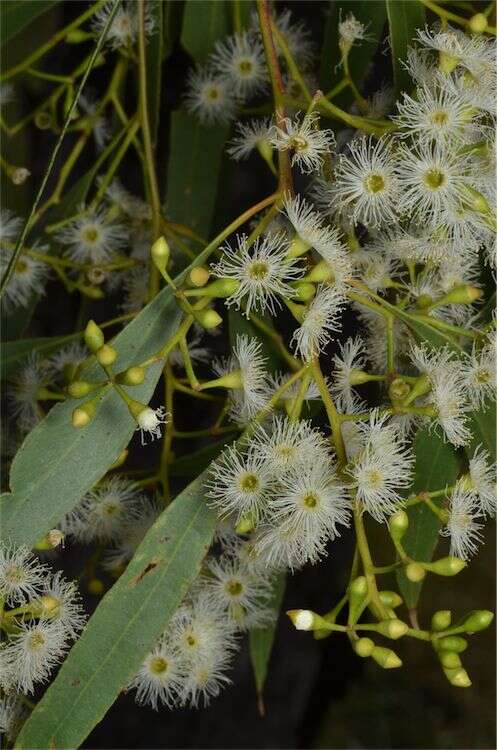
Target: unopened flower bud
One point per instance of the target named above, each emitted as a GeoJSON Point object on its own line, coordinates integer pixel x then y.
{"type": "Point", "coordinates": [132, 376]}
{"type": "Point", "coordinates": [265, 149]}
{"type": "Point", "coordinates": [244, 525]}
{"type": "Point", "coordinates": [106, 355]}
{"type": "Point", "coordinates": [303, 619]}
{"type": "Point", "coordinates": [446, 566]}
{"type": "Point", "coordinates": [79, 388]}
{"type": "Point", "coordinates": [221, 288]}
{"type": "Point", "coordinates": [208, 319]}
{"type": "Point", "coordinates": [83, 415]}
{"type": "Point", "coordinates": [358, 597]}
{"type": "Point", "coordinates": [160, 253]}
{"type": "Point", "coordinates": [51, 540]}
{"type": "Point", "coordinates": [76, 36]}
{"type": "Point", "coordinates": [386, 658]}
{"type": "Point", "coordinates": [297, 247]}
{"type": "Point", "coordinates": [461, 295]}
{"type": "Point", "coordinates": [304, 291]}
{"type": "Point", "coordinates": [441, 620]}
{"type": "Point", "coordinates": [447, 63]}
{"type": "Point", "coordinates": [478, 23]}
{"type": "Point", "coordinates": [449, 659]}
{"type": "Point", "coordinates": [398, 524]}
{"type": "Point", "coordinates": [199, 276]}
{"type": "Point", "coordinates": [415, 572]}
{"type": "Point", "coordinates": [322, 271]}
{"type": "Point", "coordinates": [398, 389]}
{"type": "Point", "coordinates": [393, 629]}
{"type": "Point", "coordinates": [43, 120]}
{"type": "Point", "coordinates": [364, 647]}
{"type": "Point", "coordinates": [390, 599]}
{"type": "Point", "coordinates": [458, 677]}
{"type": "Point", "coordinates": [94, 337]}
{"type": "Point", "coordinates": [451, 643]}
{"type": "Point", "coordinates": [95, 586]}
{"type": "Point", "coordinates": [478, 620]}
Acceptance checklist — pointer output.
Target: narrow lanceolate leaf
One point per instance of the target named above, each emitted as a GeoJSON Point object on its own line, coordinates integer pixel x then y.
{"type": "Point", "coordinates": [203, 24]}
{"type": "Point", "coordinates": [261, 640]}
{"type": "Point", "coordinates": [58, 463]}
{"type": "Point", "coordinates": [404, 17]}
{"type": "Point", "coordinates": [193, 170]}
{"type": "Point", "coordinates": [126, 624]}
{"type": "Point", "coordinates": [16, 15]}
{"type": "Point", "coordinates": [436, 467]}
{"type": "Point", "coordinates": [482, 425]}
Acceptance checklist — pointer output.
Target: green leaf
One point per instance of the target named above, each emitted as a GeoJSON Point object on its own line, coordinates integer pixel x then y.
{"type": "Point", "coordinates": [16, 15]}
{"type": "Point", "coordinates": [404, 17]}
{"type": "Point", "coordinates": [482, 425]}
{"type": "Point", "coordinates": [154, 56]}
{"type": "Point", "coordinates": [125, 626]}
{"type": "Point", "coordinates": [172, 12]}
{"type": "Point", "coordinates": [193, 169]}
{"type": "Point", "coordinates": [193, 463]}
{"type": "Point", "coordinates": [203, 24]}
{"type": "Point", "coordinates": [436, 466]}
{"type": "Point", "coordinates": [261, 639]}
{"type": "Point", "coordinates": [14, 352]}
{"type": "Point", "coordinates": [372, 13]}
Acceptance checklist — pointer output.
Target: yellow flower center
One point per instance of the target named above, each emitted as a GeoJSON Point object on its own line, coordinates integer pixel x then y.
{"type": "Point", "coordinates": [374, 183]}
{"type": "Point", "coordinates": [434, 179]}
{"type": "Point", "coordinates": [158, 665]}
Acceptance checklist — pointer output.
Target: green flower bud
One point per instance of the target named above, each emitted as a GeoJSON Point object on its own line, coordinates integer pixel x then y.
{"type": "Point", "coordinates": [322, 271]}
{"type": "Point", "coordinates": [106, 355]}
{"type": "Point", "coordinates": [305, 291]}
{"type": "Point", "coordinates": [458, 677]}
{"type": "Point", "coordinates": [297, 247]}
{"type": "Point", "coordinates": [390, 599]}
{"type": "Point", "coordinates": [451, 643]}
{"type": "Point", "coordinates": [393, 629]}
{"type": "Point", "coordinates": [447, 63]}
{"type": "Point", "coordinates": [446, 566]}
{"type": "Point", "coordinates": [96, 586]}
{"type": "Point", "coordinates": [415, 572]}
{"type": "Point", "coordinates": [199, 276]}
{"type": "Point", "coordinates": [43, 120]}
{"type": "Point", "coordinates": [244, 525]}
{"type": "Point", "coordinates": [76, 36]}
{"type": "Point", "coordinates": [441, 620]}
{"type": "Point", "coordinates": [298, 311]}
{"type": "Point", "coordinates": [160, 253]}
{"type": "Point", "coordinates": [460, 295]}
{"type": "Point", "coordinates": [132, 376]}
{"type": "Point", "coordinates": [478, 620]}
{"type": "Point", "coordinates": [478, 23]}
{"type": "Point", "coordinates": [364, 647]}
{"type": "Point", "coordinates": [398, 524]}
{"type": "Point", "coordinates": [83, 415]}
{"type": "Point", "coordinates": [209, 319]}
{"type": "Point", "coordinates": [386, 658]}
{"type": "Point", "coordinates": [449, 659]}
{"type": "Point", "coordinates": [265, 149]}
{"type": "Point", "coordinates": [79, 388]}
{"type": "Point", "coordinates": [221, 288]}
{"type": "Point", "coordinates": [358, 597]}
{"type": "Point", "coordinates": [94, 337]}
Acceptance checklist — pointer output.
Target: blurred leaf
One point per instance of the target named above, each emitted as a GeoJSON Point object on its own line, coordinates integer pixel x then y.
{"type": "Point", "coordinates": [15, 15]}
{"type": "Point", "coordinates": [261, 639]}
{"type": "Point", "coordinates": [125, 626]}
{"type": "Point", "coordinates": [154, 55]}
{"type": "Point", "coordinates": [13, 353]}
{"type": "Point", "coordinates": [372, 13]}
{"type": "Point", "coordinates": [193, 463]}
{"type": "Point", "coordinates": [436, 466]}
{"type": "Point", "coordinates": [203, 24]}
{"type": "Point", "coordinates": [482, 425]}
{"type": "Point", "coordinates": [172, 11]}
{"type": "Point", "coordinates": [192, 174]}
{"type": "Point", "coordinates": [404, 17]}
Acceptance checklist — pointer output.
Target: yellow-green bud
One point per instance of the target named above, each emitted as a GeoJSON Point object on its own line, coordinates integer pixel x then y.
{"type": "Point", "coordinates": [393, 629]}
{"type": "Point", "coordinates": [83, 415]}
{"type": "Point", "coordinates": [390, 599]}
{"type": "Point", "coordinates": [95, 586]}
{"type": "Point", "coordinates": [160, 253]}
{"type": "Point", "coordinates": [423, 301]}
{"type": "Point", "coordinates": [43, 120]}
{"type": "Point", "coordinates": [303, 619]}
{"type": "Point", "coordinates": [49, 606]}
{"type": "Point", "coordinates": [79, 388]}
{"type": "Point", "coordinates": [199, 276]}
{"type": "Point", "coordinates": [19, 175]}
{"type": "Point", "coordinates": [297, 247]}
{"type": "Point", "coordinates": [208, 319]}
{"type": "Point", "coordinates": [449, 659]}
{"type": "Point", "coordinates": [244, 525]}
{"type": "Point", "coordinates": [305, 291]}
{"type": "Point", "coordinates": [94, 337]}
{"type": "Point", "coordinates": [298, 311]}
{"type": "Point", "coordinates": [106, 355]}
{"type": "Point", "coordinates": [461, 295]}
{"type": "Point", "coordinates": [458, 677]}
{"type": "Point", "coordinates": [415, 572]}
{"type": "Point", "coordinates": [132, 376]}
{"type": "Point", "coordinates": [478, 620]}
{"type": "Point", "coordinates": [77, 36]}
{"type": "Point", "coordinates": [265, 149]}
{"type": "Point", "coordinates": [446, 566]}
{"type": "Point", "coordinates": [358, 377]}
{"type": "Point", "coordinates": [398, 389]}
{"type": "Point", "coordinates": [364, 647]}
{"type": "Point", "coordinates": [447, 63]}
{"type": "Point", "coordinates": [321, 272]}
{"type": "Point", "coordinates": [478, 23]}
{"type": "Point", "coordinates": [358, 587]}
{"type": "Point", "coordinates": [441, 620]}
{"type": "Point", "coordinates": [93, 292]}
{"type": "Point", "coordinates": [386, 658]}
{"type": "Point", "coordinates": [221, 288]}
{"type": "Point", "coordinates": [451, 643]}
{"type": "Point", "coordinates": [51, 540]}
{"type": "Point", "coordinates": [398, 524]}
{"type": "Point", "coordinates": [358, 597]}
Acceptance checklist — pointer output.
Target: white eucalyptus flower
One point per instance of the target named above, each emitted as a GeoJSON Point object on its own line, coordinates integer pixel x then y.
{"type": "Point", "coordinates": [303, 137]}
{"type": "Point", "coordinates": [91, 237]}
{"type": "Point", "coordinates": [210, 97]}
{"type": "Point", "coordinates": [462, 526]}
{"type": "Point", "coordinates": [240, 61]}
{"type": "Point", "coordinates": [321, 320]}
{"type": "Point", "coordinates": [22, 576]}
{"type": "Point", "coordinates": [161, 677]}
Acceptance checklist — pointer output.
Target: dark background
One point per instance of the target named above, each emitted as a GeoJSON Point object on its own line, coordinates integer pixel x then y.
{"type": "Point", "coordinates": [318, 693]}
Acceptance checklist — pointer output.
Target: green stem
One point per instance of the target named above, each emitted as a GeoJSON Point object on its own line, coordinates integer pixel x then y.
{"type": "Point", "coordinates": [333, 415]}
{"type": "Point", "coordinates": [362, 542]}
